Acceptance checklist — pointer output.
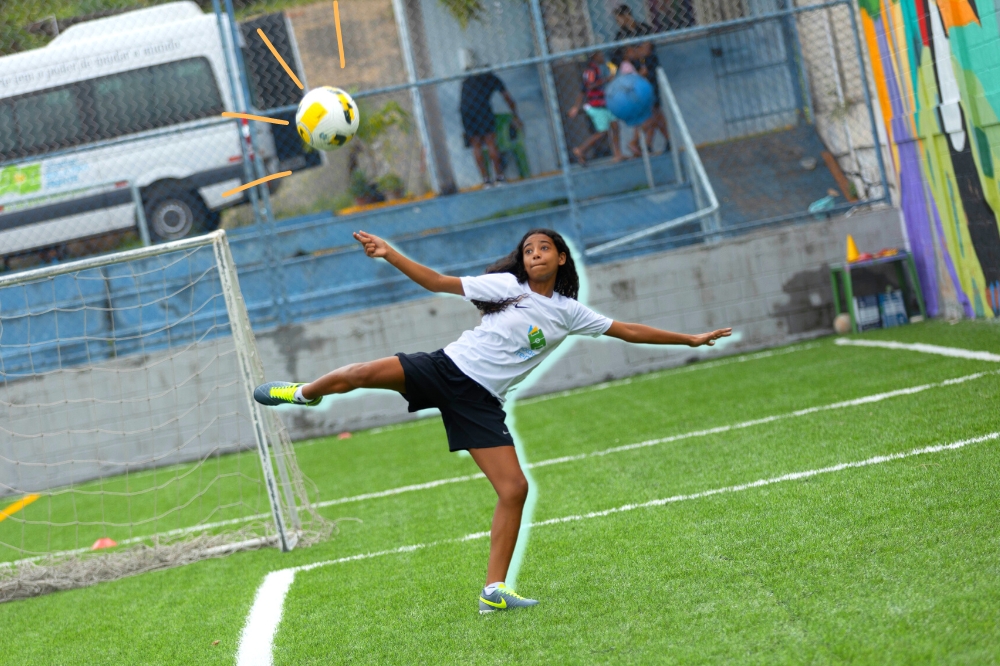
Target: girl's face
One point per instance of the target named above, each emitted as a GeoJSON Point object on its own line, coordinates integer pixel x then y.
{"type": "Point", "coordinates": [541, 257]}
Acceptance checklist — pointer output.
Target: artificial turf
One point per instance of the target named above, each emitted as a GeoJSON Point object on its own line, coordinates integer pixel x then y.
{"type": "Point", "coordinates": [892, 563]}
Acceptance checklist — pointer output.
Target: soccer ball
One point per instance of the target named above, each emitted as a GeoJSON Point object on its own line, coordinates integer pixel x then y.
{"type": "Point", "coordinates": [327, 118]}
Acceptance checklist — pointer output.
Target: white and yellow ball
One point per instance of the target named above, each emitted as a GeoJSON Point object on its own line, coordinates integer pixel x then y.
{"type": "Point", "coordinates": [327, 118]}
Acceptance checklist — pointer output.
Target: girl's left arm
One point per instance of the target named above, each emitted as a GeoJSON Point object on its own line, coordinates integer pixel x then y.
{"type": "Point", "coordinates": [642, 334]}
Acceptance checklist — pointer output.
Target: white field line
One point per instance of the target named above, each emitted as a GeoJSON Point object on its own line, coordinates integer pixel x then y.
{"type": "Point", "coordinates": [877, 397]}
{"type": "Point", "coordinates": [265, 614]}
{"type": "Point", "coordinates": [262, 622]}
{"type": "Point", "coordinates": [954, 352]}
{"type": "Point", "coordinates": [668, 371]}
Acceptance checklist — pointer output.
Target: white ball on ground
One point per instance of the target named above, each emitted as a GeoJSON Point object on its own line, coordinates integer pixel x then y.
{"type": "Point", "coordinates": [842, 323]}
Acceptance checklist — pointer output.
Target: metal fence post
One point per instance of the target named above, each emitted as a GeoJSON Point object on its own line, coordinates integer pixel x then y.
{"type": "Point", "coordinates": [868, 102]}
{"type": "Point", "coordinates": [800, 73]}
{"type": "Point", "coordinates": [675, 142]}
{"type": "Point", "coordinates": [645, 161]}
{"type": "Point", "coordinates": [235, 93]}
{"type": "Point", "coordinates": [557, 124]}
{"type": "Point", "coordinates": [274, 262]}
{"type": "Point", "coordinates": [406, 46]}
{"type": "Point", "coordinates": [140, 215]}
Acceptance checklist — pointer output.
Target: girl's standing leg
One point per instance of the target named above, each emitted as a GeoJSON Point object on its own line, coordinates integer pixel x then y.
{"type": "Point", "coordinates": [501, 467]}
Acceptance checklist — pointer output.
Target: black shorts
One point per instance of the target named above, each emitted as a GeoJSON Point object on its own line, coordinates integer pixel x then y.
{"type": "Point", "coordinates": [472, 415]}
{"type": "Point", "coordinates": [478, 124]}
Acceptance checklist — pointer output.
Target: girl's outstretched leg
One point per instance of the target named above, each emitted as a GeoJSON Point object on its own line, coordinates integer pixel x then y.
{"type": "Point", "coordinates": [385, 373]}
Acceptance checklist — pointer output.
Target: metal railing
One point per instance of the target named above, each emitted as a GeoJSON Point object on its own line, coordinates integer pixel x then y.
{"type": "Point", "coordinates": [688, 169]}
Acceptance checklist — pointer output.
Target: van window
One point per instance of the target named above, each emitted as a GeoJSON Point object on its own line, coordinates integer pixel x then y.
{"type": "Point", "coordinates": [49, 119]}
{"type": "Point", "coordinates": [151, 97]}
{"type": "Point", "coordinates": [8, 130]}
{"type": "Point", "coordinates": [108, 107]}
{"type": "Point", "coordinates": [187, 90]}
{"type": "Point", "coordinates": [121, 104]}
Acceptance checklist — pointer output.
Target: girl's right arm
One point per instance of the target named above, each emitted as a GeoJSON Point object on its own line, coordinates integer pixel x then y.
{"type": "Point", "coordinates": [427, 278]}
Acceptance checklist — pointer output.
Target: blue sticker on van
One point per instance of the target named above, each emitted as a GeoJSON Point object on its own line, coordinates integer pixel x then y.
{"type": "Point", "coordinates": [62, 173]}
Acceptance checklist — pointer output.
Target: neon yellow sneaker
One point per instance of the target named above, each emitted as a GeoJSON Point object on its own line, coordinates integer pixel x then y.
{"type": "Point", "coordinates": [280, 393]}
{"type": "Point", "coordinates": [502, 598]}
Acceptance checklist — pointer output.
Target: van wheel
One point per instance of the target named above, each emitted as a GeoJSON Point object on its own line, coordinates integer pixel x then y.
{"type": "Point", "coordinates": [174, 215]}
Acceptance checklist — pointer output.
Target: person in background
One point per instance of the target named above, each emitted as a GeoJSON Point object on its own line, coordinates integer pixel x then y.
{"type": "Point", "coordinates": [479, 121]}
{"type": "Point", "coordinates": [643, 58]}
{"type": "Point", "coordinates": [595, 76]}
{"type": "Point", "coordinates": [628, 28]}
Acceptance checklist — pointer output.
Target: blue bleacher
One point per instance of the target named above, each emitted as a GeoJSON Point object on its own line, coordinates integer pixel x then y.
{"type": "Point", "coordinates": [310, 267]}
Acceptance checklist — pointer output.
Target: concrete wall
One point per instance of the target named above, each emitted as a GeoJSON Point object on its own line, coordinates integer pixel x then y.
{"type": "Point", "coordinates": [772, 287]}
{"type": "Point", "coordinates": [124, 415]}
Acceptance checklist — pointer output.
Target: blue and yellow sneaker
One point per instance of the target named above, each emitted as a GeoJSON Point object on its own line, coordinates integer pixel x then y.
{"type": "Point", "coordinates": [280, 393]}
{"type": "Point", "coordinates": [502, 599]}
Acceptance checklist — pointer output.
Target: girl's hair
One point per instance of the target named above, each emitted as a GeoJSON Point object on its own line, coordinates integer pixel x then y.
{"type": "Point", "coordinates": [567, 281]}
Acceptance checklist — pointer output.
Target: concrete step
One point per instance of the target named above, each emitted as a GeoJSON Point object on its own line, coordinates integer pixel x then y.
{"type": "Point", "coordinates": [324, 231]}
{"type": "Point", "coordinates": [344, 280]}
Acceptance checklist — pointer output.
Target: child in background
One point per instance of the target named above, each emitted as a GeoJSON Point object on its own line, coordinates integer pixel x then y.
{"type": "Point", "coordinates": [595, 76]}
{"type": "Point", "coordinates": [643, 58]}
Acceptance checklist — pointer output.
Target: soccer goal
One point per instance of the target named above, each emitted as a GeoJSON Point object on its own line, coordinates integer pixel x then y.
{"type": "Point", "coordinates": [129, 438]}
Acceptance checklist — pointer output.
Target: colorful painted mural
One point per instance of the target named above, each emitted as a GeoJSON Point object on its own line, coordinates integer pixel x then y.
{"type": "Point", "coordinates": [937, 73]}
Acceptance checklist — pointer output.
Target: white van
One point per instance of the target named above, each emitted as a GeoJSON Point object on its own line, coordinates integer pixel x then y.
{"type": "Point", "coordinates": [130, 100]}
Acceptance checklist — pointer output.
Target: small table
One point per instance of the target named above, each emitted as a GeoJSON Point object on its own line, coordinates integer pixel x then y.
{"type": "Point", "coordinates": [903, 261]}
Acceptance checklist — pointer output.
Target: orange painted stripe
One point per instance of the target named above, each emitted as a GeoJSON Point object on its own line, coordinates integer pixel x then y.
{"type": "Point", "coordinates": [249, 116]}
{"type": "Point", "coordinates": [340, 38]}
{"type": "Point", "coordinates": [281, 61]}
{"type": "Point", "coordinates": [17, 506]}
{"type": "Point", "coordinates": [256, 182]}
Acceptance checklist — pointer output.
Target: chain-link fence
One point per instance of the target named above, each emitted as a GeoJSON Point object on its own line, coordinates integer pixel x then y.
{"type": "Point", "coordinates": [457, 97]}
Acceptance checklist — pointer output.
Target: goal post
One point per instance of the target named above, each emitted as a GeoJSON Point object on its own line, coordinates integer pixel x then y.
{"type": "Point", "coordinates": [129, 437]}
{"type": "Point", "coordinates": [267, 429]}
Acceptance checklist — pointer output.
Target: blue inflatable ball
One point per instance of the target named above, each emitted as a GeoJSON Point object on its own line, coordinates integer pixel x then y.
{"type": "Point", "coordinates": [630, 98]}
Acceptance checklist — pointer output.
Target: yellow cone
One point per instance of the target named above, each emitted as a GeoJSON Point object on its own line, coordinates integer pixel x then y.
{"type": "Point", "coordinates": [852, 249]}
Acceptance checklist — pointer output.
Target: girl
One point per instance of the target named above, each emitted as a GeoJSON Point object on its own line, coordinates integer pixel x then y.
{"type": "Point", "coordinates": [528, 302]}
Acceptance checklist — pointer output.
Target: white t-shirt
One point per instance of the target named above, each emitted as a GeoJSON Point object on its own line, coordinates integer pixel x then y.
{"type": "Point", "coordinates": [508, 345]}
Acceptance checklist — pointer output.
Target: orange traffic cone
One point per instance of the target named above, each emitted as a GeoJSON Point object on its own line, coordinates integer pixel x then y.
{"type": "Point", "coordinates": [852, 250]}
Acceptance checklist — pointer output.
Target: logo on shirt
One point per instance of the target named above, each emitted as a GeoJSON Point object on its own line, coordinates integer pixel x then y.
{"type": "Point", "coordinates": [536, 338]}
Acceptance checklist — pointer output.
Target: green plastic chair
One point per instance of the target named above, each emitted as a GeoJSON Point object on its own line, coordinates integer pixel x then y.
{"type": "Point", "coordinates": [508, 146]}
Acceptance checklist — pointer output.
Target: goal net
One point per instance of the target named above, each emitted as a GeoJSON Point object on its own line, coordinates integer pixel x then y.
{"type": "Point", "coordinates": [129, 438]}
